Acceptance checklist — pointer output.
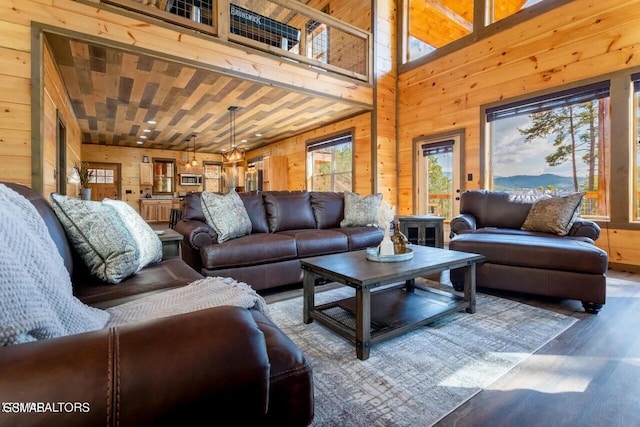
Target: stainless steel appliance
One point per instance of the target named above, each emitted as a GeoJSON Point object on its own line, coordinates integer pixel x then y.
{"type": "Point", "coordinates": [190, 179]}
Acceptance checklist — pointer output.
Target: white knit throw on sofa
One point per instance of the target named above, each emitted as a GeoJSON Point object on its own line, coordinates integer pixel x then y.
{"type": "Point", "coordinates": [36, 299]}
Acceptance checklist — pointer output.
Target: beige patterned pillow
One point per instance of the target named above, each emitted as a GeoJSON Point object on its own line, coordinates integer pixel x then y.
{"type": "Point", "coordinates": [360, 211]}
{"type": "Point", "coordinates": [554, 214]}
{"type": "Point", "coordinates": [226, 214]}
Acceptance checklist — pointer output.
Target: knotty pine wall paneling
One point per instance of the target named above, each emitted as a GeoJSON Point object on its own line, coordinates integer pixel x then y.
{"type": "Point", "coordinates": [60, 107]}
{"type": "Point", "coordinates": [580, 40]}
{"type": "Point", "coordinates": [294, 149]}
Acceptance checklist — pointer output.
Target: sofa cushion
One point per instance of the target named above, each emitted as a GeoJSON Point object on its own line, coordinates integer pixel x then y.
{"type": "Point", "coordinates": [192, 208]}
{"type": "Point", "coordinates": [553, 214]}
{"type": "Point", "coordinates": [360, 211]}
{"type": "Point", "coordinates": [147, 241]}
{"type": "Point", "coordinates": [318, 242]}
{"type": "Point", "coordinates": [497, 208]}
{"type": "Point", "coordinates": [249, 250]}
{"type": "Point", "coordinates": [254, 205]}
{"type": "Point", "coordinates": [288, 210]}
{"type": "Point", "coordinates": [361, 237]}
{"type": "Point", "coordinates": [99, 236]}
{"type": "Point", "coordinates": [549, 252]}
{"type": "Point", "coordinates": [226, 214]}
{"type": "Point", "coordinates": [328, 208]}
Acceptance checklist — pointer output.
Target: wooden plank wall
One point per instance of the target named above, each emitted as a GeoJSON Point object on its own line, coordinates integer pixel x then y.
{"type": "Point", "coordinates": [580, 40]}
{"type": "Point", "coordinates": [386, 75]}
{"type": "Point", "coordinates": [56, 93]}
{"type": "Point", "coordinates": [294, 149]}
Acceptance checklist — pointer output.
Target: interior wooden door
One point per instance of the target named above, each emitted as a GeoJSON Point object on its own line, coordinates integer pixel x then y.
{"type": "Point", "coordinates": [105, 181]}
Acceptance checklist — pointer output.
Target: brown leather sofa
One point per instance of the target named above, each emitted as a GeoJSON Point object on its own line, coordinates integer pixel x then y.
{"type": "Point", "coordinates": [286, 226]}
{"type": "Point", "coordinates": [540, 263]}
{"type": "Point", "coordinates": [219, 363]}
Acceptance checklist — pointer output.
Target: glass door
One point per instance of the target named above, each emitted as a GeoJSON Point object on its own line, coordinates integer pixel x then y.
{"type": "Point", "coordinates": [438, 178]}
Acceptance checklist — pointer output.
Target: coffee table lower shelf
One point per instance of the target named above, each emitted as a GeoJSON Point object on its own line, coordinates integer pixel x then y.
{"type": "Point", "coordinates": [394, 311]}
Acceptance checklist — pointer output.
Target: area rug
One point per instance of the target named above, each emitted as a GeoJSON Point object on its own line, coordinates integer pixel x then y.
{"type": "Point", "coordinates": [420, 377]}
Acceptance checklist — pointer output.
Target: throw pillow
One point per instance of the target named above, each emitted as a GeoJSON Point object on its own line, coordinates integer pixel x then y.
{"type": "Point", "coordinates": [554, 214]}
{"type": "Point", "coordinates": [226, 214]}
{"type": "Point", "coordinates": [147, 241]}
{"type": "Point", "coordinates": [36, 298]}
{"type": "Point", "coordinates": [360, 211]}
{"type": "Point", "coordinates": [99, 236]}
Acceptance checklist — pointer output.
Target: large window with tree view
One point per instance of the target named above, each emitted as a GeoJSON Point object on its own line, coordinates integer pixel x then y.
{"type": "Point", "coordinates": [330, 163]}
{"type": "Point", "coordinates": [555, 144]}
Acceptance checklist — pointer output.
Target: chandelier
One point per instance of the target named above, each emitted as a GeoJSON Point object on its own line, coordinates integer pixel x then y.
{"type": "Point", "coordinates": [233, 154]}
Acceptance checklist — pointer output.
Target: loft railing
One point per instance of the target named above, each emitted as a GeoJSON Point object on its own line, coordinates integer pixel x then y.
{"type": "Point", "coordinates": [285, 28]}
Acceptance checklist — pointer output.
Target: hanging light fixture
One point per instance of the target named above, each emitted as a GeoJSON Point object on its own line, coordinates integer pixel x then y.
{"type": "Point", "coordinates": [233, 154]}
{"type": "Point", "coordinates": [194, 162]}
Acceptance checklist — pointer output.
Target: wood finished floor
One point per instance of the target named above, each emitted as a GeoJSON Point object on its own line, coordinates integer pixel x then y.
{"type": "Point", "coordinates": [587, 376]}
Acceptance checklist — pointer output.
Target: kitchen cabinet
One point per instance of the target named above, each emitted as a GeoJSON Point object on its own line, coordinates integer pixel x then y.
{"type": "Point", "coordinates": [155, 210]}
{"type": "Point", "coordinates": [146, 174]}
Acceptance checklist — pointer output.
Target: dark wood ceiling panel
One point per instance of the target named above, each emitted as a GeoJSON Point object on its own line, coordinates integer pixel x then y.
{"type": "Point", "coordinates": [114, 93]}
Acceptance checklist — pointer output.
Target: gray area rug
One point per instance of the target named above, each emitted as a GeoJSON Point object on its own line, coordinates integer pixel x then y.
{"type": "Point", "coordinates": [420, 377]}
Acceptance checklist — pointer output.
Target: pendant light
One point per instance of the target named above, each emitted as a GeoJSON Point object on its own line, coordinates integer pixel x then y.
{"type": "Point", "coordinates": [194, 162]}
{"type": "Point", "coordinates": [233, 154]}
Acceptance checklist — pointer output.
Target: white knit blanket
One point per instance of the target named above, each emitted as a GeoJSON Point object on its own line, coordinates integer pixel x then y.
{"type": "Point", "coordinates": [198, 295]}
{"type": "Point", "coordinates": [36, 298]}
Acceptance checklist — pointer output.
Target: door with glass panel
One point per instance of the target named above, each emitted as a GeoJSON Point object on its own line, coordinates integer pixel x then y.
{"type": "Point", "coordinates": [438, 177]}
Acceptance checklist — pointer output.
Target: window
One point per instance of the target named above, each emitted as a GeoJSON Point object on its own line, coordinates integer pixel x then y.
{"type": "Point", "coordinates": [318, 40]}
{"type": "Point", "coordinates": [433, 24]}
{"type": "Point", "coordinates": [635, 78]}
{"type": "Point", "coordinates": [554, 143]}
{"type": "Point", "coordinates": [330, 164]}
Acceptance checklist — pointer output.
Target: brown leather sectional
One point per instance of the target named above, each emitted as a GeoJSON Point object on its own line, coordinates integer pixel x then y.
{"type": "Point", "coordinates": [540, 263]}
{"type": "Point", "coordinates": [287, 226]}
{"type": "Point", "coordinates": [219, 363]}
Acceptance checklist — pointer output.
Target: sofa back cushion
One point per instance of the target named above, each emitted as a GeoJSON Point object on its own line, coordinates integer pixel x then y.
{"type": "Point", "coordinates": [288, 210]}
{"type": "Point", "coordinates": [328, 208]}
{"type": "Point", "coordinates": [192, 209]}
{"type": "Point", "coordinates": [497, 208]}
{"type": "Point", "coordinates": [254, 204]}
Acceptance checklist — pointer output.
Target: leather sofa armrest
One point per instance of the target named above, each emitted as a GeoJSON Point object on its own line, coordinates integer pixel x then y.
{"type": "Point", "coordinates": [168, 371]}
{"type": "Point", "coordinates": [462, 223]}
{"type": "Point", "coordinates": [585, 228]}
{"type": "Point", "coordinates": [197, 233]}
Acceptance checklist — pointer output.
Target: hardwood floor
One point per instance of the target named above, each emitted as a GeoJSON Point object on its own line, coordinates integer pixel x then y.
{"type": "Point", "coordinates": [587, 376]}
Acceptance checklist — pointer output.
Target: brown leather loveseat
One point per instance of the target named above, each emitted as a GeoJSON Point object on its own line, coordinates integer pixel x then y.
{"type": "Point", "coordinates": [542, 263]}
{"type": "Point", "coordinates": [286, 226]}
{"type": "Point", "coordinates": [219, 363]}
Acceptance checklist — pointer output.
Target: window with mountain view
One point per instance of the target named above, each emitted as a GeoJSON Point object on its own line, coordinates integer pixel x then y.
{"type": "Point", "coordinates": [330, 163]}
{"type": "Point", "coordinates": [555, 144]}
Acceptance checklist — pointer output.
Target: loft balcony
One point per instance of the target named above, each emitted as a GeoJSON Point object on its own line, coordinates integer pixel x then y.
{"type": "Point", "coordinates": [289, 30]}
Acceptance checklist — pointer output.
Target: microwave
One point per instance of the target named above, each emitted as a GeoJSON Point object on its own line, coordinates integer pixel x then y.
{"type": "Point", "coordinates": [190, 179]}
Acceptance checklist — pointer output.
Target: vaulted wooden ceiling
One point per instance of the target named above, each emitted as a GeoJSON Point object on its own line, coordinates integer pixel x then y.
{"type": "Point", "coordinates": [115, 93]}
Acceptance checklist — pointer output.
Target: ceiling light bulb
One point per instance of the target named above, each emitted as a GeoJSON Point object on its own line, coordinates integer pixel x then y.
{"type": "Point", "coordinates": [243, 140]}
{"type": "Point", "coordinates": [147, 130]}
{"type": "Point", "coordinates": [140, 142]}
{"type": "Point", "coordinates": [258, 134]}
{"type": "Point", "coordinates": [152, 122]}
{"type": "Point", "coordinates": [143, 136]}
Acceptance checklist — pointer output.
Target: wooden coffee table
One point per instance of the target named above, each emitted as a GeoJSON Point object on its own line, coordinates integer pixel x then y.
{"type": "Point", "coordinates": [372, 317]}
